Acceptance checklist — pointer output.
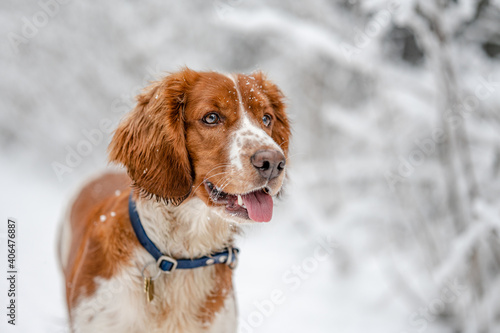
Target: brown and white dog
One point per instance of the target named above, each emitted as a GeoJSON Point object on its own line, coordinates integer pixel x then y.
{"type": "Point", "coordinates": [204, 153]}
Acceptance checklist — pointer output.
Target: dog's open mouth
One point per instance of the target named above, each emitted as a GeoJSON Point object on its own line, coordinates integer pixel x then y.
{"type": "Point", "coordinates": [256, 205]}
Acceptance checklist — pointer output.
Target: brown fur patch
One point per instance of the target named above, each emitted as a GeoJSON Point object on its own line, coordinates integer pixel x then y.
{"type": "Point", "coordinates": [215, 301]}
{"type": "Point", "coordinates": [150, 141]}
{"type": "Point", "coordinates": [98, 248]}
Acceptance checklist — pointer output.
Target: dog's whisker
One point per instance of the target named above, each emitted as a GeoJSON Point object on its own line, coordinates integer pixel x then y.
{"type": "Point", "coordinates": [204, 180]}
{"type": "Point", "coordinates": [293, 155]}
{"type": "Point", "coordinates": [283, 143]}
{"type": "Point", "coordinates": [217, 167]}
{"type": "Point", "coordinates": [217, 174]}
{"type": "Point", "coordinates": [222, 182]}
{"type": "Point", "coordinates": [226, 183]}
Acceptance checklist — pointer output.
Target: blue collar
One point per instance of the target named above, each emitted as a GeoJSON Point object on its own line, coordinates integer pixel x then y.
{"type": "Point", "coordinates": [168, 264]}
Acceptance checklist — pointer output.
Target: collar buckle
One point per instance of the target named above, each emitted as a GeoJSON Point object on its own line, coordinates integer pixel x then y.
{"type": "Point", "coordinates": [232, 257]}
{"type": "Point", "coordinates": [171, 260]}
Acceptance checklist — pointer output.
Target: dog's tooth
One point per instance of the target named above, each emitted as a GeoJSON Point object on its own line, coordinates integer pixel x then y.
{"type": "Point", "coordinates": [240, 200]}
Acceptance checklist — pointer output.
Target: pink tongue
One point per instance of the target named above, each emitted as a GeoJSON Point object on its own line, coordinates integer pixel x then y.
{"type": "Point", "coordinates": [259, 205]}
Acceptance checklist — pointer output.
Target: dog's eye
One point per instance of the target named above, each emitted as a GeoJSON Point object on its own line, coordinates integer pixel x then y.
{"type": "Point", "coordinates": [266, 120]}
{"type": "Point", "coordinates": [211, 118]}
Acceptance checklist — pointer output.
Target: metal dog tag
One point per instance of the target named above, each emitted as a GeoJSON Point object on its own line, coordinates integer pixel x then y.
{"type": "Point", "coordinates": [149, 289]}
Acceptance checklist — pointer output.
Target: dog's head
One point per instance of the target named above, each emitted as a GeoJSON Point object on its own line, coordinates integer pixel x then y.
{"type": "Point", "coordinates": [221, 138]}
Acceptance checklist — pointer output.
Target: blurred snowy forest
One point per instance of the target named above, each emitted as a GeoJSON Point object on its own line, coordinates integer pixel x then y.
{"type": "Point", "coordinates": [395, 156]}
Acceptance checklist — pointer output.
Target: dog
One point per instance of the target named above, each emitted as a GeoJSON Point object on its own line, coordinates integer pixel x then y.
{"type": "Point", "coordinates": [151, 250]}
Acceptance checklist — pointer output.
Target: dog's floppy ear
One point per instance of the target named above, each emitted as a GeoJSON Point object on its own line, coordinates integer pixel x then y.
{"type": "Point", "coordinates": [281, 128]}
{"type": "Point", "coordinates": [151, 142]}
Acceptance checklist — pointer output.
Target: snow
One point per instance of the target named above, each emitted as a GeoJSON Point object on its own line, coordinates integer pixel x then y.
{"type": "Point", "coordinates": [37, 204]}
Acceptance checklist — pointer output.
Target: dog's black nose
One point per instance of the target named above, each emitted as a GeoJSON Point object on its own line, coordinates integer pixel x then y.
{"type": "Point", "coordinates": [269, 163]}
